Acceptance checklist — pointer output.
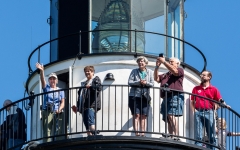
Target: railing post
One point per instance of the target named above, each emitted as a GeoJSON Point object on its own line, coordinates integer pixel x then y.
{"type": "Point", "coordinates": [222, 101]}
{"type": "Point", "coordinates": [39, 55]}
{"type": "Point", "coordinates": [80, 47]}
{"type": "Point", "coordinates": [135, 40]}
{"type": "Point", "coordinates": [64, 116]}
{"type": "Point", "coordinates": [165, 99]}
{"type": "Point", "coordinates": [166, 89]}
{"type": "Point", "coordinates": [95, 132]}
{"type": "Point", "coordinates": [38, 59]}
{"type": "Point", "coordinates": [29, 71]}
{"type": "Point", "coordinates": [31, 101]}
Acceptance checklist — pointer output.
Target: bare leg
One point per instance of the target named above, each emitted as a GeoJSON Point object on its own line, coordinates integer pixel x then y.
{"type": "Point", "coordinates": [89, 133]}
{"type": "Point", "coordinates": [173, 125]}
{"type": "Point", "coordinates": [92, 128]}
{"type": "Point", "coordinates": [136, 118]}
{"type": "Point", "coordinates": [143, 123]}
{"type": "Point", "coordinates": [176, 126]}
{"type": "Point", "coordinates": [170, 124]}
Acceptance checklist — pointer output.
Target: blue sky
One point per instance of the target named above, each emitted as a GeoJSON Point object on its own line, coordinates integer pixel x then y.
{"type": "Point", "coordinates": [23, 26]}
{"type": "Point", "coordinates": [211, 25]}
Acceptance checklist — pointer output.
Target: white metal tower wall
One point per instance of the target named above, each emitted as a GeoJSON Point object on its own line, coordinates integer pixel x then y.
{"type": "Point", "coordinates": [120, 66]}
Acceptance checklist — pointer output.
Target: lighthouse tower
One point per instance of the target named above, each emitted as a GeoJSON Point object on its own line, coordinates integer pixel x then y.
{"type": "Point", "coordinates": [110, 35]}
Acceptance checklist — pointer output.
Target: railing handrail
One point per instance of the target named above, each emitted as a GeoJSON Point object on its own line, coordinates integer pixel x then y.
{"type": "Point", "coordinates": [154, 131]}
{"type": "Point", "coordinates": [120, 85]}
{"type": "Point", "coordinates": [77, 33]}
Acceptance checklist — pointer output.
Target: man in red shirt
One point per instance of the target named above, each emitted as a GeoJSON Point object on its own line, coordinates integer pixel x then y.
{"type": "Point", "coordinates": [204, 108]}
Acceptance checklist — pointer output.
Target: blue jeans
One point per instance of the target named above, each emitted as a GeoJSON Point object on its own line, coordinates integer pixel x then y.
{"type": "Point", "coordinates": [204, 118]}
{"type": "Point", "coordinates": [174, 106]}
{"type": "Point", "coordinates": [89, 117]}
{"type": "Point", "coordinates": [14, 142]}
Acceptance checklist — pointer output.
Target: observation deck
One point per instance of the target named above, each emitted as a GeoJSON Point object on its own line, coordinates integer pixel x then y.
{"type": "Point", "coordinates": [110, 35]}
{"type": "Point", "coordinates": [114, 121]}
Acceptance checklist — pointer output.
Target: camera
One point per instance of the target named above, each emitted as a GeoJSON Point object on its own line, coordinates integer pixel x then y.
{"type": "Point", "coordinates": [161, 55]}
{"type": "Point", "coordinates": [50, 107]}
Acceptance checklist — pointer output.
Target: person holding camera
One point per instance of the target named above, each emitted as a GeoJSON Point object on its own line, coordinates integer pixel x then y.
{"type": "Point", "coordinates": [140, 81]}
{"type": "Point", "coordinates": [173, 79]}
{"type": "Point", "coordinates": [89, 99]}
{"type": "Point", "coordinates": [53, 105]}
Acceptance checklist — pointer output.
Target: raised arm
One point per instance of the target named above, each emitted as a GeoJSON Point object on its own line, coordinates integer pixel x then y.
{"type": "Point", "coordinates": [41, 68]}
{"type": "Point", "coordinates": [156, 76]}
{"type": "Point", "coordinates": [171, 68]}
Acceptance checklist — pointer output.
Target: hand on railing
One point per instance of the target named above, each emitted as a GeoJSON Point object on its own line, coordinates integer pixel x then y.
{"type": "Point", "coordinates": [228, 106]}
{"type": "Point", "coordinates": [224, 104]}
{"type": "Point", "coordinates": [74, 108]}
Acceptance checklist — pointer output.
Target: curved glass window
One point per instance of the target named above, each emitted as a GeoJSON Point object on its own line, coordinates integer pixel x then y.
{"type": "Point", "coordinates": [175, 21]}
{"type": "Point", "coordinates": [128, 15]}
{"type": "Point", "coordinates": [119, 16]}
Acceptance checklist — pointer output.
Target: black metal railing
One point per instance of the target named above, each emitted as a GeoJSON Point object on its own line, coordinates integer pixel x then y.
{"type": "Point", "coordinates": [115, 119]}
{"type": "Point", "coordinates": [132, 48]}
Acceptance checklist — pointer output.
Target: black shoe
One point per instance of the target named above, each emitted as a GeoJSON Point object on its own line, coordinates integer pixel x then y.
{"type": "Point", "coordinates": [93, 132]}
{"type": "Point", "coordinates": [165, 135]}
{"type": "Point", "coordinates": [177, 139]}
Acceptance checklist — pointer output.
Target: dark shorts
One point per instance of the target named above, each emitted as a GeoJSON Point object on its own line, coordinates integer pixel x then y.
{"type": "Point", "coordinates": [174, 106]}
{"type": "Point", "coordinates": [138, 105]}
{"type": "Point", "coordinates": [88, 117]}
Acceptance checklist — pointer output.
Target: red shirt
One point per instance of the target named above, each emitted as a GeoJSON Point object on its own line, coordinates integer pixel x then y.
{"type": "Point", "coordinates": [210, 92]}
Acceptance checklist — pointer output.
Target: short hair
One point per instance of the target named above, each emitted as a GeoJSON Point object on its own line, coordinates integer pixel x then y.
{"type": "Point", "coordinates": [223, 123]}
{"type": "Point", "coordinates": [144, 59]}
{"type": "Point", "coordinates": [209, 73]}
{"type": "Point", "coordinates": [7, 102]}
{"type": "Point", "coordinates": [91, 68]}
{"type": "Point", "coordinates": [176, 59]}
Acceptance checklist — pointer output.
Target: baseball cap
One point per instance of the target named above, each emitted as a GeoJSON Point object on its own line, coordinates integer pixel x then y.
{"type": "Point", "coordinates": [52, 75]}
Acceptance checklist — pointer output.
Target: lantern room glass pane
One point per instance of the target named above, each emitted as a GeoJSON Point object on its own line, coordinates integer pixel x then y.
{"type": "Point", "coordinates": [174, 48]}
{"type": "Point", "coordinates": [111, 15]}
{"type": "Point", "coordinates": [120, 16]}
